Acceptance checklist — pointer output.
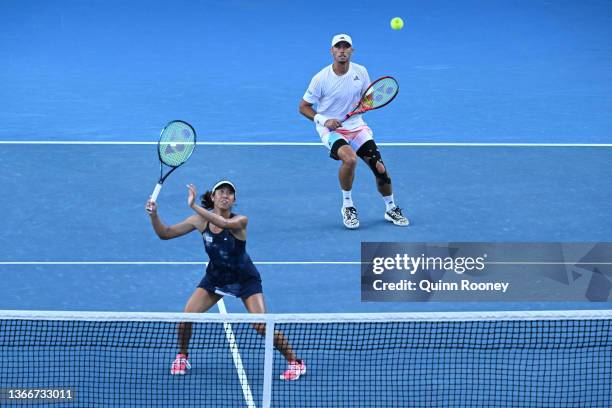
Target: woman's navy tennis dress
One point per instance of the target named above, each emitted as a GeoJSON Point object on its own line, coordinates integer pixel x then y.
{"type": "Point", "coordinates": [230, 270]}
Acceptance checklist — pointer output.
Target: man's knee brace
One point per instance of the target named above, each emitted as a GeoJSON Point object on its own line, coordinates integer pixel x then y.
{"type": "Point", "coordinates": [370, 154]}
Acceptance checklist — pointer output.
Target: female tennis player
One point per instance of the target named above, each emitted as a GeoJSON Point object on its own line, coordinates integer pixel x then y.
{"type": "Point", "coordinates": [229, 272]}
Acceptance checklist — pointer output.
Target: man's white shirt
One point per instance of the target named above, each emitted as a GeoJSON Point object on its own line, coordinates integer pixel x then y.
{"type": "Point", "coordinates": [337, 95]}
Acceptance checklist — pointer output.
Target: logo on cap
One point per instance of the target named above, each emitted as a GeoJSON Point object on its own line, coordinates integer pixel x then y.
{"type": "Point", "coordinates": [341, 37]}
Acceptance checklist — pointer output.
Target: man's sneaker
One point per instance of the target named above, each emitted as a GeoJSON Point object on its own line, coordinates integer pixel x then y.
{"type": "Point", "coordinates": [395, 216]}
{"type": "Point", "coordinates": [349, 217]}
{"type": "Point", "coordinates": [180, 365]}
{"type": "Point", "coordinates": [295, 370]}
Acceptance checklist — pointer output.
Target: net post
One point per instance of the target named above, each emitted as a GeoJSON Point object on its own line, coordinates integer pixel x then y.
{"type": "Point", "coordinates": [268, 363]}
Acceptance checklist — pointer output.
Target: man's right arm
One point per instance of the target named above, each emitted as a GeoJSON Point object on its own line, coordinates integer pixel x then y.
{"type": "Point", "coordinates": [306, 110]}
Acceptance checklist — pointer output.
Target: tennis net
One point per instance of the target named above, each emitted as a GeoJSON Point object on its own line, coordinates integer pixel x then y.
{"type": "Point", "coordinates": [468, 359]}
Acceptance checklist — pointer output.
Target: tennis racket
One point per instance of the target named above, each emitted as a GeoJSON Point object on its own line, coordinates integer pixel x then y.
{"type": "Point", "coordinates": [176, 143]}
{"type": "Point", "coordinates": [380, 93]}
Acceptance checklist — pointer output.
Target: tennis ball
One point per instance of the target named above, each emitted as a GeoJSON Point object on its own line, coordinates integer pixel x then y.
{"type": "Point", "coordinates": [397, 23]}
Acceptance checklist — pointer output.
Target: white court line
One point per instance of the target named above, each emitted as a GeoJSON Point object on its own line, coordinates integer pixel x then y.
{"type": "Point", "coordinates": [546, 263]}
{"type": "Point", "coordinates": [172, 263]}
{"type": "Point", "coordinates": [100, 142]}
{"type": "Point", "coordinates": [396, 144]}
{"type": "Point", "coordinates": [94, 263]}
{"type": "Point", "coordinates": [233, 345]}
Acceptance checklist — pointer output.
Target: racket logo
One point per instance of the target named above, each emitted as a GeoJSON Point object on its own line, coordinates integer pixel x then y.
{"type": "Point", "coordinates": [172, 148]}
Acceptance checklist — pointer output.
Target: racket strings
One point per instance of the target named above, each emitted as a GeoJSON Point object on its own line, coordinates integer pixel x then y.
{"type": "Point", "coordinates": [381, 93]}
{"type": "Point", "coordinates": [176, 144]}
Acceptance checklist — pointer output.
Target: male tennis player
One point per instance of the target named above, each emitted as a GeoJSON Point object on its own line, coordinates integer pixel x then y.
{"type": "Point", "coordinates": [336, 90]}
{"type": "Point", "coordinates": [229, 272]}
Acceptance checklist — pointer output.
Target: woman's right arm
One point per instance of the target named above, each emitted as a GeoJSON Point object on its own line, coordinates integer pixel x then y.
{"type": "Point", "coordinates": [173, 231]}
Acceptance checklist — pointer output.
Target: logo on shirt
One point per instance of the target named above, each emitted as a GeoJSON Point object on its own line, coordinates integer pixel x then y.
{"type": "Point", "coordinates": [208, 238]}
{"type": "Point", "coordinates": [356, 78]}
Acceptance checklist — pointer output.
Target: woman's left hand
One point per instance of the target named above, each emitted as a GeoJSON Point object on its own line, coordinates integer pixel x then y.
{"type": "Point", "coordinates": [192, 195]}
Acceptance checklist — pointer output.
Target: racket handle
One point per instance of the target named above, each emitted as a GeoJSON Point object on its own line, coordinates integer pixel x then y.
{"type": "Point", "coordinates": [154, 195]}
{"type": "Point", "coordinates": [345, 118]}
{"type": "Point", "coordinates": [156, 192]}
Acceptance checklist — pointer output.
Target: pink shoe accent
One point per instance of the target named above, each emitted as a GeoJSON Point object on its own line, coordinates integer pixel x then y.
{"type": "Point", "coordinates": [295, 370]}
{"type": "Point", "coordinates": [180, 365]}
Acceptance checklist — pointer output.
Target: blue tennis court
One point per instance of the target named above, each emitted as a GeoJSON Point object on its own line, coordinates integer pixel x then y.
{"type": "Point", "coordinates": [500, 133]}
{"type": "Point", "coordinates": [86, 208]}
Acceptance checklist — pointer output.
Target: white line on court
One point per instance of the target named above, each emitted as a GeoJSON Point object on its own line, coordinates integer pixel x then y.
{"type": "Point", "coordinates": [267, 263]}
{"type": "Point", "coordinates": [546, 263]}
{"type": "Point", "coordinates": [396, 144]}
{"type": "Point", "coordinates": [233, 345]}
{"type": "Point", "coordinates": [172, 263]}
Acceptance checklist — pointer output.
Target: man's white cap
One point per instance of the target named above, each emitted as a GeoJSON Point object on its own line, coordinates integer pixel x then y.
{"type": "Point", "coordinates": [223, 183]}
{"type": "Point", "coordinates": [342, 37]}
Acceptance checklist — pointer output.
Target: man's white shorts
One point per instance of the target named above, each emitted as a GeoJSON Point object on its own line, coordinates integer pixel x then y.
{"type": "Point", "coordinates": [354, 137]}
